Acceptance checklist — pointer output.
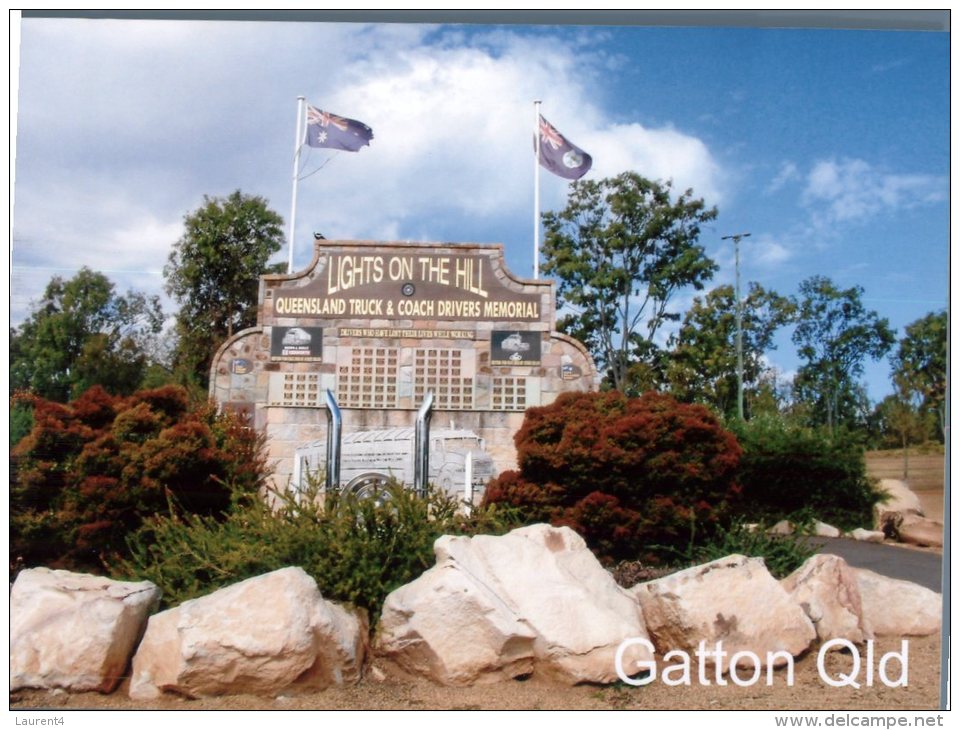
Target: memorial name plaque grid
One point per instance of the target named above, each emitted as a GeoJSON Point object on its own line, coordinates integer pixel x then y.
{"type": "Point", "coordinates": [509, 394]}
{"type": "Point", "coordinates": [442, 371]}
{"type": "Point", "coordinates": [370, 380]}
{"type": "Point", "coordinates": [297, 390]}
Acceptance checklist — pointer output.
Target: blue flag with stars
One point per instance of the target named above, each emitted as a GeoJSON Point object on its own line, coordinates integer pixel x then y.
{"type": "Point", "coordinates": [559, 155]}
{"type": "Point", "coordinates": [339, 133]}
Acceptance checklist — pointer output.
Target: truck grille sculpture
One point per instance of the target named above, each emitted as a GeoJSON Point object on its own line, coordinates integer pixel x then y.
{"type": "Point", "coordinates": [370, 459]}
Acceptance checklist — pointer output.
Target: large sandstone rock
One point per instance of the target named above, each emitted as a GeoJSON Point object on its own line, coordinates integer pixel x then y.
{"type": "Point", "coordinates": [266, 634]}
{"type": "Point", "coordinates": [734, 601]}
{"type": "Point", "coordinates": [827, 590]}
{"type": "Point", "coordinates": [496, 607]}
{"type": "Point", "coordinates": [898, 607]}
{"type": "Point", "coordinates": [900, 501]}
{"type": "Point", "coordinates": [75, 631]}
{"type": "Point", "coordinates": [450, 626]}
{"type": "Point", "coordinates": [915, 530]}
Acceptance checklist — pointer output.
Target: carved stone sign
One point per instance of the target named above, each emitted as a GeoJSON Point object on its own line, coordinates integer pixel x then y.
{"type": "Point", "coordinates": [426, 285]}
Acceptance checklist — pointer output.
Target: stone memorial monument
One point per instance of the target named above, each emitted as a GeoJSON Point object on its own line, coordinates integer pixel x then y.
{"type": "Point", "coordinates": [382, 324]}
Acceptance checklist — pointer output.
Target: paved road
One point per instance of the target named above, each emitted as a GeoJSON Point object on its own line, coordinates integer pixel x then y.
{"type": "Point", "coordinates": [896, 562]}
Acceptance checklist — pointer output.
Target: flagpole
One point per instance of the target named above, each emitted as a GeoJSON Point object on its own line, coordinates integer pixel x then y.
{"type": "Point", "coordinates": [536, 190]}
{"type": "Point", "coordinates": [301, 100]}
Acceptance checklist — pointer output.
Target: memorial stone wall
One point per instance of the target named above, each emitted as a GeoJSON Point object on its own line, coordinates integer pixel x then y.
{"type": "Point", "coordinates": [380, 324]}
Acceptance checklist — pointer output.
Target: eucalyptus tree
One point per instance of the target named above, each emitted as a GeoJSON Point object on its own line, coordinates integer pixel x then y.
{"type": "Point", "coordinates": [621, 249]}
{"type": "Point", "coordinates": [703, 357]}
{"type": "Point", "coordinates": [835, 334]}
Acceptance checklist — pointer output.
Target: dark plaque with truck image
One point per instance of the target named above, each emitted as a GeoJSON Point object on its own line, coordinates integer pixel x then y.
{"type": "Point", "coordinates": [511, 347]}
{"type": "Point", "coordinates": [296, 343]}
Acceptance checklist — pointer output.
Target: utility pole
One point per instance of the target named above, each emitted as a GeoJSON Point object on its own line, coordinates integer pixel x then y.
{"type": "Point", "coordinates": [736, 247]}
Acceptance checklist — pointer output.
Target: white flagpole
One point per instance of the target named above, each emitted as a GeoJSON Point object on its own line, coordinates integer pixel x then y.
{"type": "Point", "coordinates": [301, 100]}
{"type": "Point", "coordinates": [536, 190]}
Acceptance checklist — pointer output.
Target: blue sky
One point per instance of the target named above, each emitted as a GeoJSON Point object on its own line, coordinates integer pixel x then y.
{"type": "Point", "coordinates": [830, 146]}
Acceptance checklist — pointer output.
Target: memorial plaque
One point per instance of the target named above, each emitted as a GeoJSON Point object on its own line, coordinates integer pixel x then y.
{"type": "Point", "coordinates": [296, 343]}
{"type": "Point", "coordinates": [510, 347]}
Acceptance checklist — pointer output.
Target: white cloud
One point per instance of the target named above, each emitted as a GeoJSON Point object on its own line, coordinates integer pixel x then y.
{"type": "Point", "coordinates": [770, 252]}
{"type": "Point", "coordinates": [788, 173]}
{"type": "Point", "coordinates": [126, 125]}
{"type": "Point", "coordinates": [853, 190]}
{"type": "Point", "coordinates": [658, 154]}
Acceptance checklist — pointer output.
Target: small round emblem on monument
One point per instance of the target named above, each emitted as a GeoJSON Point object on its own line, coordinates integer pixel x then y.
{"type": "Point", "coordinates": [408, 289]}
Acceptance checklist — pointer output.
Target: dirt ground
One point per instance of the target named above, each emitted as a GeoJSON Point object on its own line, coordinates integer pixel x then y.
{"type": "Point", "coordinates": [396, 691]}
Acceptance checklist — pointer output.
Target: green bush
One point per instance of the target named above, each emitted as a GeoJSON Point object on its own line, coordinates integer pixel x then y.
{"type": "Point", "coordinates": [794, 472]}
{"type": "Point", "coordinates": [782, 554]}
{"type": "Point", "coordinates": [629, 474]}
{"type": "Point", "coordinates": [358, 550]}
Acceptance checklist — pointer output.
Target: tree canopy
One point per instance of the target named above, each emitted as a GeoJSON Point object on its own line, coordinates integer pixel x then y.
{"type": "Point", "coordinates": [703, 361]}
{"type": "Point", "coordinates": [835, 334]}
{"type": "Point", "coordinates": [82, 333]}
{"type": "Point", "coordinates": [621, 248]}
{"type": "Point", "coordinates": [214, 273]}
{"type": "Point", "coordinates": [920, 366]}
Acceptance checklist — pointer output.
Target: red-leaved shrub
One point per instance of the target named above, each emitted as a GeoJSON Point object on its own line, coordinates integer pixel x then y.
{"type": "Point", "coordinates": [90, 471]}
{"type": "Point", "coordinates": [634, 476]}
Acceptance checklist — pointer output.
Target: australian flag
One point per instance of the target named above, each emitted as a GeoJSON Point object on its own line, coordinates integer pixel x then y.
{"type": "Point", "coordinates": [559, 155]}
{"type": "Point", "coordinates": [328, 130]}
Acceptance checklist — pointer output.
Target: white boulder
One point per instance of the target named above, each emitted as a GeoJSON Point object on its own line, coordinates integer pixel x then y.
{"type": "Point", "coordinates": [822, 529]}
{"type": "Point", "coordinates": [894, 607]}
{"type": "Point", "coordinates": [827, 590]}
{"type": "Point", "coordinates": [263, 635]}
{"type": "Point", "coordinates": [901, 500]}
{"type": "Point", "coordinates": [783, 527]}
{"type": "Point", "coordinates": [449, 626]}
{"type": "Point", "coordinates": [75, 631]}
{"type": "Point", "coordinates": [733, 601]}
{"type": "Point", "coordinates": [535, 600]}
{"type": "Point", "coordinates": [865, 535]}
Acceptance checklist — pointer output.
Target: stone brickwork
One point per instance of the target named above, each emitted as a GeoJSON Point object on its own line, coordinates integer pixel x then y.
{"type": "Point", "coordinates": [379, 325]}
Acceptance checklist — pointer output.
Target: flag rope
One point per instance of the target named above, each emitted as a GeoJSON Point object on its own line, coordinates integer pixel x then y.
{"type": "Point", "coordinates": [322, 165]}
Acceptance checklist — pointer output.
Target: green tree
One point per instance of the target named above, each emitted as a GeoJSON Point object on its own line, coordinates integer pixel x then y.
{"type": "Point", "coordinates": [214, 273]}
{"type": "Point", "coordinates": [621, 249]}
{"type": "Point", "coordinates": [703, 367]}
{"type": "Point", "coordinates": [834, 335]}
{"type": "Point", "coordinates": [900, 424]}
{"type": "Point", "coordinates": [920, 366]}
{"type": "Point", "coordinates": [82, 333]}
